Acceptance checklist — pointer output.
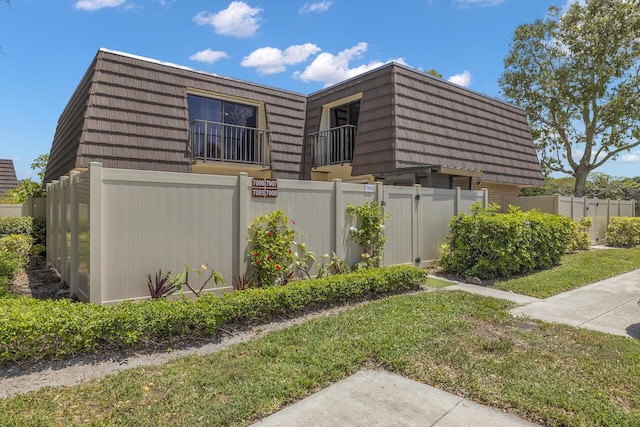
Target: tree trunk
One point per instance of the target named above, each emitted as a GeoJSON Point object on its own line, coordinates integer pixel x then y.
{"type": "Point", "coordinates": [580, 188]}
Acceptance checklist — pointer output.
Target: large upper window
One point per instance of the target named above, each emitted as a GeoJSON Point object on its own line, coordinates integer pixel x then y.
{"type": "Point", "coordinates": [347, 114]}
{"type": "Point", "coordinates": [335, 144]}
{"type": "Point", "coordinates": [222, 129]}
{"type": "Point", "coordinates": [221, 111]}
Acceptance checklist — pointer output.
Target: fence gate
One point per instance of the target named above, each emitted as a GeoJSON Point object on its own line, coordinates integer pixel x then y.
{"type": "Point", "coordinates": [401, 230]}
{"type": "Point", "coordinates": [420, 221]}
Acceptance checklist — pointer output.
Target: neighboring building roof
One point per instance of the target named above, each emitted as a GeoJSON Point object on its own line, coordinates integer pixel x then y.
{"type": "Point", "coordinates": [8, 179]}
{"type": "Point", "coordinates": [411, 120]}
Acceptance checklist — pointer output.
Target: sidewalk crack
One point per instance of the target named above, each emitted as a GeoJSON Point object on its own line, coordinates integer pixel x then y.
{"type": "Point", "coordinates": [447, 413]}
{"type": "Point", "coordinates": [608, 311]}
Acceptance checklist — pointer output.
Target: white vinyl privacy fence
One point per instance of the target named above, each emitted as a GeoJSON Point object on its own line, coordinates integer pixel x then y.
{"type": "Point", "coordinates": [10, 210]}
{"type": "Point", "coordinates": [107, 229]}
{"type": "Point", "coordinates": [34, 207]}
{"type": "Point", "coordinates": [599, 210]}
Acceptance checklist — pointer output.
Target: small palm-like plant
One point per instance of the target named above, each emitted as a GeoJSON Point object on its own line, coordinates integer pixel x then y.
{"type": "Point", "coordinates": [243, 282]}
{"type": "Point", "coordinates": [162, 286]}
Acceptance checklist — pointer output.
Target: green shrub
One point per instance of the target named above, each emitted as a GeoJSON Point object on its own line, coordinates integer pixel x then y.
{"type": "Point", "coordinates": [32, 330]}
{"type": "Point", "coordinates": [580, 240]}
{"type": "Point", "coordinates": [9, 265]}
{"type": "Point", "coordinates": [369, 233]}
{"type": "Point", "coordinates": [15, 252]}
{"type": "Point", "coordinates": [39, 231]}
{"type": "Point", "coordinates": [623, 232]}
{"type": "Point", "coordinates": [487, 244]}
{"type": "Point", "coordinates": [272, 247]}
{"type": "Point", "coordinates": [16, 225]}
{"type": "Point", "coordinates": [19, 245]}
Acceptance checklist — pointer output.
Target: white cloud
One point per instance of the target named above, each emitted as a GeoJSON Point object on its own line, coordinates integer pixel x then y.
{"type": "Point", "coordinates": [97, 4]}
{"type": "Point", "coordinates": [270, 60]}
{"type": "Point", "coordinates": [322, 6]}
{"type": "Point", "coordinates": [482, 3]}
{"type": "Point", "coordinates": [462, 79]}
{"type": "Point", "coordinates": [630, 157]}
{"type": "Point", "coordinates": [208, 56]}
{"type": "Point", "coordinates": [577, 153]}
{"type": "Point", "coordinates": [237, 20]}
{"type": "Point", "coordinates": [328, 68]}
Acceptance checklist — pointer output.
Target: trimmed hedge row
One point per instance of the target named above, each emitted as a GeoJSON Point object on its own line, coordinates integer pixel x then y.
{"type": "Point", "coordinates": [16, 225]}
{"type": "Point", "coordinates": [34, 227]}
{"type": "Point", "coordinates": [33, 330]}
{"type": "Point", "coordinates": [623, 232]}
{"type": "Point", "coordinates": [487, 244]}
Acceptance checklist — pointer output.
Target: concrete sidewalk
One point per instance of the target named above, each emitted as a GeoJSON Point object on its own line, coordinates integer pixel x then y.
{"type": "Point", "coordinates": [609, 306]}
{"type": "Point", "coordinates": [381, 398]}
{"type": "Point", "coordinates": [491, 292]}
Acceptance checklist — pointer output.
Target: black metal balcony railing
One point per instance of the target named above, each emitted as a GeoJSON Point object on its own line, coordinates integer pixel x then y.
{"type": "Point", "coordinates": [333, 146]}
{"type": "Point", "coordinates": [229, 143]}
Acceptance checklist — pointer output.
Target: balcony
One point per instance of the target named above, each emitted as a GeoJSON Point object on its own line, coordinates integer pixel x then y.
{"type": "Point", "coordinates": [212, 141]}
{"type": "Point", "coordinates": [333, 146]}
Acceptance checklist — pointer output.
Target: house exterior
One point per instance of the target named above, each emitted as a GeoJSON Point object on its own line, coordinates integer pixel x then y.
{"type": "Point", "coordinates": [8, 179]}
{"type": "Point", "coordinates": [392, 124]}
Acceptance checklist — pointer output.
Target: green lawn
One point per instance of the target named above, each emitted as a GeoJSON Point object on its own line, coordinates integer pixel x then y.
{"type": "Point", "coordinates": [576, 270]}
{"type": "Point", "coordinates": [459, 342]}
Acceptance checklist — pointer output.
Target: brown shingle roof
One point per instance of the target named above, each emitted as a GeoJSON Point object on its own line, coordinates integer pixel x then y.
{"type": "Point", "coordinates": [8, 179]}
{"type": "Point", "coordinates": [131, 112]}
{"type": "Point", "coordinates": [439, 123]}
{"type": "Point", "coordinates": [409, 120]}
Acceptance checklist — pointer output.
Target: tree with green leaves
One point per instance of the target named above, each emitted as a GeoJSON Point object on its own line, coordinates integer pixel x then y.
{"type": "Point", "coordinates": [575, 73]}
{"type": "Point", "coordinates": [433, 72]}
{"type": "Point", "coordinates": [28, 187]}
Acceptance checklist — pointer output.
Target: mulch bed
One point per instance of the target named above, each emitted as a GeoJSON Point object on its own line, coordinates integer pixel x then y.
{"type": "Point", "coordinates": [38, 280]}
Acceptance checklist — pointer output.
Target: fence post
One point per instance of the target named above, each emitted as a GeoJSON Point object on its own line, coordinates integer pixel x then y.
{"type": "Point", "coordinates": [379, 192]}
{"type": "Point", "coordinates": [338, 213]}
{"type": "Point", "coordinates": [585, 207]}
{"type": "Point", "coordinates": [243, 224]}
{"type": "Point", "coordinates": [64, 184]}
{"type": "Point", "coordinates": [49, 226]}
{"type": "Point", "coordinates": [55, 221]}
{"type": "Point", "coordinates": [73, 273]}
{"type": "Point", "coordinates": [485, 198]}
{"type": "Point", "coordinates": [381, 202]}
{"type": "Point", "coordinates": [572, 207]}
{"type": "Point", "coordinates": [95, 232]}
{"type": "Point", "coordinates": [27, 207]}
{"type": "Point", "coordinates": [456, 206]}
{"type": "Point", "coordinates": [415, 225]}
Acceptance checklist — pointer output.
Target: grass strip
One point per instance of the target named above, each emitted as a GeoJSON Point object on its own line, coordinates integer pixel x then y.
{"type": "Point", "coordinates": [575, 270]}
{"type": "Point", "coordinates": [462, 343]}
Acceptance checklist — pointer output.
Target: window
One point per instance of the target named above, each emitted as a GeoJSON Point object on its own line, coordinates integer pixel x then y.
{"type": "Point", "coordinates": [222, 129]}
{"type": "Point", "coordinates": [342, 135]}
{"type": "Point", "coordinates": [347, 114]}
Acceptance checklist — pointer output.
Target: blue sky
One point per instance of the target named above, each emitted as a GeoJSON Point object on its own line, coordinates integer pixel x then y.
{"type": "Point", "coordinates": [46, 47]}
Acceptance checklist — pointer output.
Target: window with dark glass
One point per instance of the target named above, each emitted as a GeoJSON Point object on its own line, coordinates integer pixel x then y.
{"type": "Point", "coordinates": [347, 114]}
{"type": "Point", "coordinates": [342, 133]}
{"type": "Point", "coordinates": [222, 129]}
